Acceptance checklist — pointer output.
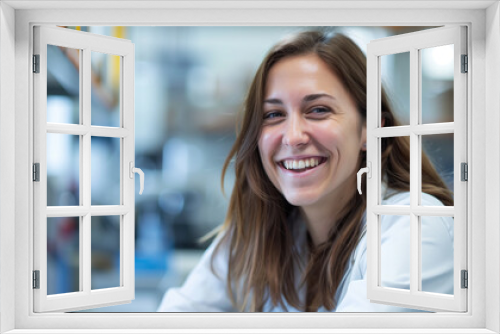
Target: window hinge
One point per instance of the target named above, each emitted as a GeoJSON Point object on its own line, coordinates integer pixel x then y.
{"type": "Point", "coordinates": [36, 172]}
{"type": "Point", "coordinates": [36, 279]}
{"type": "Point", "coordinates": [465, 171]}
{"type": "Point", "coordinates": [465, 279]}
{"type": "Point", "coordinates": [465, 64]}
{"type": "Point", "coordinates": [36, 63]}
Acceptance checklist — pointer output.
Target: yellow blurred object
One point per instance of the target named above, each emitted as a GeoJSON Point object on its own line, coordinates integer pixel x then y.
{"type": "Point", "coordinates": [118, 32]}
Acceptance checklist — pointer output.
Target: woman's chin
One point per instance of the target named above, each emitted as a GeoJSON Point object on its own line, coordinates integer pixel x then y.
{"type": "Point", "coordinates": [300, 199]}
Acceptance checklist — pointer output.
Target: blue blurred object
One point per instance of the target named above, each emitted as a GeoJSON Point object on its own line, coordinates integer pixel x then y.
{"type": "Point", "coordinates": [153, 245]}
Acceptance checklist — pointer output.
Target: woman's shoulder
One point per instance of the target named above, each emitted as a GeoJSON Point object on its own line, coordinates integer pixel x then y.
{"type": "Point", "coordinates": [204, 290]}
{"type": "Point", "coordinates": [403, 198]}
{"type": "Point", "coordinates": [440, 226]}
{"type": "Point", "coordinates": [395, 229]}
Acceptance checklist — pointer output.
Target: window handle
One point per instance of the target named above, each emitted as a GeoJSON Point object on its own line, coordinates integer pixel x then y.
{"type": "Point", "coordinates": [133, 170]}
{"type": "Point", "coordinates": [367, 170]}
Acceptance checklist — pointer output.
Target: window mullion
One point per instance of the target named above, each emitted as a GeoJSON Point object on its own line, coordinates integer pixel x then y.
{"type": "Point", "coordinates": [86, 110]}
{"type": "Point", "coordinates": [86, 181]}
{"type": "Point", "coordinates": [66, 211]}
{"type": "Point", "coordinates": [68, 129]}
{"type": "Point", "coordinates": [433, 128]}
{"type": "Point", "coordinates": [414, 170]}
{"type": "Point", "coordinates": [85, 271]}
{"type": "Point", "coordinates": [109, 210]}
{"type": "Point", "coordinates": [82, 257]}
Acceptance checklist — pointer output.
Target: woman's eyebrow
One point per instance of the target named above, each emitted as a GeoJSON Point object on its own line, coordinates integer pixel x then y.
{"type": "Point", "coordinates": [274, 101]}
{"type": "Point", "coordinates": [307, 98]}
{"type": "Point", "coordinates": [312, 97]}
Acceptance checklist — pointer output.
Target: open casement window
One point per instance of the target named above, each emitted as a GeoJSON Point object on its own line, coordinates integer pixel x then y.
{"type": "Point", "coordinates": [83, 171]}
{"type": "Point", "coordinates": [426, 256]}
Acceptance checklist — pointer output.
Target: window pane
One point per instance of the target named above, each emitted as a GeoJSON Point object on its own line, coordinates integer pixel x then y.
{"type": "Point", "coordinates": [105, 252]}
{"type": "Point", "coordinates": [106, 78]}
{"type": "Point", "coordinates": [63, 85]}
{"type": "Point", "coordinates": [395, 74]}
{"type": "Point", "coordinates": [437, 254]}
{"type": "Point", "coordinates": [63, 255]}
{"type": "Point", "coordinates": [395, 251]}
{"type": "Point", "coordinates": [105, 159]}
{"type": "Point", "coordinates": [63, 169]}
{"type": "Point", "coordinates": [439, 150]}
{"type": "Point", "coordinates": [437, 84]}
{"type": "Point", "coordinates": [395, 169]}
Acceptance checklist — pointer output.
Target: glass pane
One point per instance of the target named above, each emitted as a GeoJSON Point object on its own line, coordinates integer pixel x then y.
{"type": "Point", "coordinates": [63, 169]}
{"type": "Point", "coordinates": [106, 78]}
{"type": "Point", "coordinates": [437, 84]}
{"type": "Point", "coordinates": [438, 168]}
{"type": "Point", "coordinates": [63, 85]}
{"type": "Point", "coordinates": [105, 172]}
{"type": "Point", "coordinates": [105, 252]}
{"type": "Point", "coordinates": [437, 254]}
{"type": "Point", "coordinates": [395, 168]}
{"type": "Point", "coordinates": [395, 251]}
{"type": "Point", "coordinates": [395, 69]}
{"type": "Point", "coordinates": [63, 255]}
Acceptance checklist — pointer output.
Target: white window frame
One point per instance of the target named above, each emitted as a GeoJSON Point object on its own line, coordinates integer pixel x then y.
{"type": "Point", "coordinates": [16, 126]}
{"type": "Point", "coordinates": [85, 297]}
{"type": "Point", "coordinates": [413, 43]}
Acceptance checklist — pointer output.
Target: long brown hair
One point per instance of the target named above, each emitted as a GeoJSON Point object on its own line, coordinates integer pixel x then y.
{"type": "Point", "coordinates": [257, 227]}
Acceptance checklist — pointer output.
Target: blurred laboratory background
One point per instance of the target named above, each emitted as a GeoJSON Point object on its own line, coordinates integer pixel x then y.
{"type": "Point", "coordinates": [190, 83]}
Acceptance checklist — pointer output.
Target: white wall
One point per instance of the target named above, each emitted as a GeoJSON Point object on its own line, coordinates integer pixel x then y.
{"type": "Point", "coordinates": [7, 186]}
{"type": "Point", "coordinates": [492, 157]}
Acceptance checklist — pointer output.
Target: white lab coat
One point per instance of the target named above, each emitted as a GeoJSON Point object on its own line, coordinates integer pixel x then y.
{"type": "Point", "coordinates": [205, 292]}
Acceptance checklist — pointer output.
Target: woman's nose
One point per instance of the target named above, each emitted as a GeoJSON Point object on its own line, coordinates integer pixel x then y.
{"type": "Point", "coordinates": [295, 133]}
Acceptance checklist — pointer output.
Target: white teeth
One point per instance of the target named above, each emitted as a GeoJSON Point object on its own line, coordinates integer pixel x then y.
{"type": "Point", "coordinates": [301, 164]}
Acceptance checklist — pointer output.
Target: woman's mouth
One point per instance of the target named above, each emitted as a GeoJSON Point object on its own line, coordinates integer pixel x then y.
{"type": "Point", "coordinates": [302, 165]}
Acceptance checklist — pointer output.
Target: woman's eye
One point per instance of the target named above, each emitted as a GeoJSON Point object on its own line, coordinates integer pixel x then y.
{"type": "Point", "coordinates": [272, 114]}
{"type": "Point", "coordinates": [319, 110]}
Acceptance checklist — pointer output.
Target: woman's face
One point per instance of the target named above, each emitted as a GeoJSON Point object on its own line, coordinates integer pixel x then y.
{"type": "Point", "coordinates": [311, 135]}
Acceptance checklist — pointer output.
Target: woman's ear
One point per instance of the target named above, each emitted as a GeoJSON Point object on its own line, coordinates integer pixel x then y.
{"type": "Point", "coordinates": [382, 122]}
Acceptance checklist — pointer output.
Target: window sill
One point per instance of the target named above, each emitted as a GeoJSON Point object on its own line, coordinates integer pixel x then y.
{"type": "Point", "coordinates": [250, 331]}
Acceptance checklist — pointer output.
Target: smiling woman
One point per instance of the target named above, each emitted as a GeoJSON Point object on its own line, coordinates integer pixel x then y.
{"type": "Point", "coordinates": [315, 123]}
{"type": "Point", "coordinates": [294, 235]}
